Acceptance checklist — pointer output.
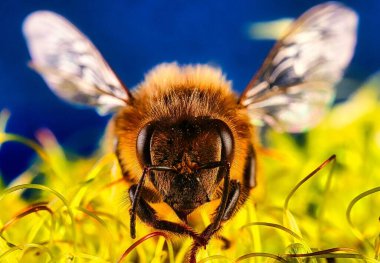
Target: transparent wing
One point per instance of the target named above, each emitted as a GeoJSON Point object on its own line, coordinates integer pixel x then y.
{"type": "Point", "coordinates": [296, 82]}
{"type": "Point", "coordinates": [70, 64]}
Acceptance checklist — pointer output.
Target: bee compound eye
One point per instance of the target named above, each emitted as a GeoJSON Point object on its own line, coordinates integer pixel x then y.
{"type": "Point", "coordinates": [227, 141]}
{"type": "Point", "coordinates": [143, 144]}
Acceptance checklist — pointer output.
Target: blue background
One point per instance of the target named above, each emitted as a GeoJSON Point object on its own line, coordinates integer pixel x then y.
{"type": "Point", "coordinates": [134, 36]}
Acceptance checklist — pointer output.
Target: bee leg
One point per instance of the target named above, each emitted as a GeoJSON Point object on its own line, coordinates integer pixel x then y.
{"type": "Point", "coordinates": [249, 177]}
{"type": "Point", "coordinates": [233, 199]}
{"type": "Point", "coordinates": [135, 198]}
{"type": "Point", "coordinates": [147, 214]}
{"type": "Point", "coordinates": [215, 225]}
{"type": "Point", "coordinates": [238, 193]}
{"type": "Point", "coordinates": [234, 195]}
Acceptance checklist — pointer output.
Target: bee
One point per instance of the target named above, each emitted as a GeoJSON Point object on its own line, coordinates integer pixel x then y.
{"type": "Point", "coordinates": [182, 136]}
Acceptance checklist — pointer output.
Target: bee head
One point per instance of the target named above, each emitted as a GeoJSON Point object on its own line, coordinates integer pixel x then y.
{"type": "Point", "coordinates": [185, 146]}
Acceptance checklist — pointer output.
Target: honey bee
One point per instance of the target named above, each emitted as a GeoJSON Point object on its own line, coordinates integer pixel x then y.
{"type": "Point", "coordinates": [182, 135]}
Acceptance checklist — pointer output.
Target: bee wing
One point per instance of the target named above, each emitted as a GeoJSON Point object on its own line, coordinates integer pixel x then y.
{"type": "Point", "coordinates": [296, 82]}
{"type": "Point", "coordinates": [70, 64]}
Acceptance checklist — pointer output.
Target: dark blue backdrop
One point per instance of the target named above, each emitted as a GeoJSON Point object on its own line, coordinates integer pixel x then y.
{"type": "Point", "coordinates": [134, 36]}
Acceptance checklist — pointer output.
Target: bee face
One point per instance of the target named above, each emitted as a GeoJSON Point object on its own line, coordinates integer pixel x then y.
{"type": "Point", "coordinates": [181, 147]}
{"type": "Point", "coordinates": [182, 136]}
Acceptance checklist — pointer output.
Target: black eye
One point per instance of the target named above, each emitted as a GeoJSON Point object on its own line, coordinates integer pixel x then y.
{"type": "Point", "coordinates": [227, 141]}
{"type": "Point", "coordinates": [143, 144]}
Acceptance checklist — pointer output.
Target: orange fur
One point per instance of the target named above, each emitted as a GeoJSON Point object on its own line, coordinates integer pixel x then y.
{"type": "Point", "coordinates": [172, 92]}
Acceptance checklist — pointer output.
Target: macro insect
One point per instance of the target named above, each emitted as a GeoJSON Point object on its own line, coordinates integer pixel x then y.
{"type": "Point", "coordinates": [182, 136]}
